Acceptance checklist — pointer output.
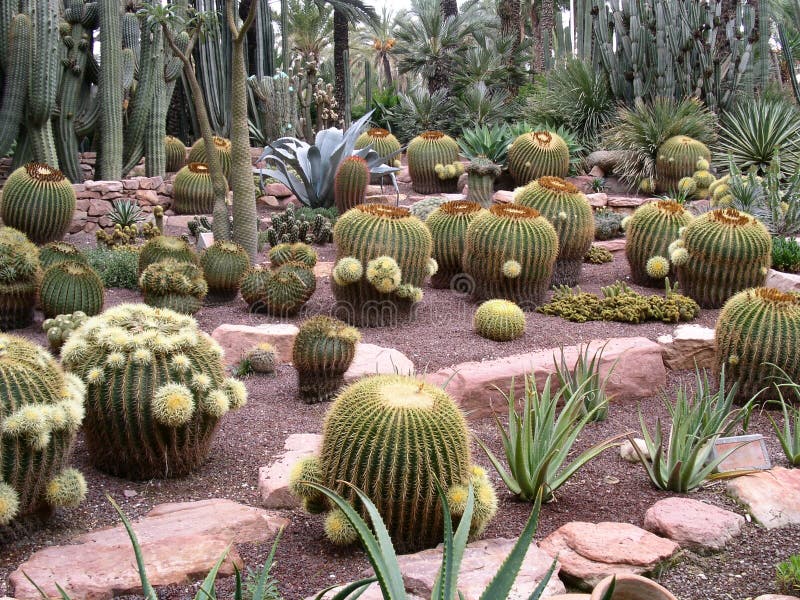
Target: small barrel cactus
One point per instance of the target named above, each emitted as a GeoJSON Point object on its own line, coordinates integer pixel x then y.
{"type": "Point", "coordinates": [163, 247]}
{"type": "Point", "coordinates": [263, 358]}
{"type": "Point", "coordinates": [382, 141]}
{"type": "Point", "coordinates": [509, 253]}
{"type": "Point", "coordinates": [721, 253]}
{"type": "Point", "coordinates": [41, 410]}
{"type": "Point", "coordinates": [536, 154]}
{"type": "Point", "coordinates": [448, 225]}
{"type": "Point", "coordinates": [223, 265]}
{"type": "Point", "coordinates": [223, 146]}
{"type": "Point", "coordinates": [429, 156]}
{"type": "Point", "coordinates": [350, 183]}
{"type": "Point", "coordinates": [393, 250]}
{"type": "Point", "coordinates": [178, 286]}
{"type": "Point", "coordinates": [499, 320]}
{"type": "Point", "coordinates": [568, 211]}
{"type": "Point", "coordinates": [677, 158]}
{"type": "Point", "coordinates": [39, 201]}
{"type": "Point", "coordinates": [394, 437]}
{"type": "Point", "coordinates": [192, 190]}
{"type": "Point", "coordinates": [322, 353]}
{"type": "Point", "coordinates": [298, 252]}
{"type": "Point", "coordinates": [70, 286]}
{"type": "Point", "coordinates": [56, 252]}
{"type": "Point", "coordinates": [280, 292]}
{"type": "Point", "coordinates": [19, 279]}
{"type": "Point", "coordinates": [758, 330]}
{"type": "Point", "coordinates": [59, 328]}
{"type": "Point", "coordinates": [480, 180]}
{"type": "Point", "coordinates": [156, 390]}
{"type": "Point", "coordinates": [175, 153]}
{"type": "Point", "coordinates": [650, 231]}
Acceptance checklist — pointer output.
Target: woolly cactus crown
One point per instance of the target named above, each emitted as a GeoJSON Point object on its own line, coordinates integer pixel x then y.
{"type": "Point", "coordinates": [19, 258]}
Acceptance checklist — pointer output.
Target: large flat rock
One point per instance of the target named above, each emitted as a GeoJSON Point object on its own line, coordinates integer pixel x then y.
{"type": "Point", "coordinates": [236, 340]}
{"type": "Point", "coordinates": [693, 524]}
{"type": "Point", "coordinates": [273, 480]}
{"type": "Point", "coordinates": [478, 386]}
{"type": "Point", "coordinates": [615, 245]}
{"type": "Point", "coordinates": [589, 552]}
{"type": "Point", "coordinates": [689, 345]}
{"type": "Point", "coordinates": [181, 542]}
{"type": "Point", "coordinates": [787, 282]}
{"type": "Point", "coordinates": [772, 497]}
{"type": "Point", "coordinates": [371, 359]}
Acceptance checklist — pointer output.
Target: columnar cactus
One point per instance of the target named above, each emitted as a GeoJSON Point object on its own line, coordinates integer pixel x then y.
{"type": "Point", "coordinates": [41, 410]}
{"type": "Point", "coordinates": [192, 190]}
{"type": "Point", "coordinates": [720, 253]}
{"type": "Point", "coordinates": [677, 158]}
{"type": "Point", "coordinates": [395, 437]}
{"type": "Point", "coordinates": [448, 225]}
{"type": "Point", "coordinates": [480, 182]}
{"type": "Point", "coordinates": [650, 231]}
{"type": "Point", "coordinates": [156, 390]}
{"type": "Point", "coordinates": [178, 286]}
{"type": "Point", "coordinates": [429, 156]}
{"type": "Point", "coordinates": [383, 142]}
{"type": "Point", "coordinates": [223, 265]}
{"type": "Point", "coordinates": [536, 154]}
{"type": "Point", "coordinates": [322, 353]}
{"type": "Point", "coordinates": [175, 153]}
{"type": "Point", "coordinates": [56, 252]}
{"type": "Point", "coordinates": [568, 210]}
{"type": "Point", "coordinates": [223, 146]}
{"type": "Point", "coordinates": [499, 320]}
{"type": "Point", "coordinates": [71, 286]}
{"type": "Point", "coordinates": [39, 201]}
{"type": "Point", "coordinates": [383, 256]}
{"type": "Point", "coordinates": [350, 185]}
{"type": "Point", "coordinates": [509, 253]}
{"type": "Point", "coordinates": [163, 247]}
{"type": "Point", "coordinates": [280, 292]}
{"type": "Point", "coordinates": [19, 279]}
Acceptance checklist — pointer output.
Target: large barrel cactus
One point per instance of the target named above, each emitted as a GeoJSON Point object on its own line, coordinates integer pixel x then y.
{"type": "Point", "coordinates": [720, 253]}
{"type": "Point", "coordinates": [322, 353]}
{"type": "Point", "coordinates": [156, 390]}
{"type": "Point", "coordinates": [756, 329]}
{"type": "Point", "coordinates": [536, 154]}
{"type": "Point", "coordinates": [448, 225]}
{"type": "Point", "coordinates": [175, 153]}
{"type": "Point", "coordinates": [223, 264]}
{"type": "Point", "coordinates": [71, 286]}
{"type": "Point", "coordinates": [56, 252]}
{"type": "Point", "coordinates": [192, 190]}
{"type": "Point", "coordinates": [39, 201]}
{"type": "Point", "coordinates": [509, 253]}
{"type": "Point", "coordinates": [677, 158]}
{"type": "Point", "coordinates": [178, 286]}
{"type": "Point", "coordinates": [649, 232]}
{"type": "Point", "coordinates": [350, 184]}
{"type": "Point", "coordinates": [281, 291]}
{"type": "Point", "coordinates": [163, 247]}
{"type": "Point", "coordinates": [41, 410]}
{"type": "Point", "coordinates": [394, 437]}
{"type": "Point", "coordinates": [432, 163]}
{"type": "Point", "coordinates": [568, 210]}
{"type": "Point", "coordinates": [19, 279]}
{"type": "Point", "coordinates": [383, 256]}
{"type": "Point", "coordinates": [223, 146]}
{"type": "Point", "coordinates": [383, 142]}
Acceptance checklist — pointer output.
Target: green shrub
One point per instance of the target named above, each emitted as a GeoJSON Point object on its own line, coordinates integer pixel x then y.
{"type": "Point", "coordinates": [787, 575]}
{"type": "Point", "coordinates": [785, 255]}
{"type": "Point", "coordinates": [607, 224]}
{"type": "Point", "coordinates": [117, 267]}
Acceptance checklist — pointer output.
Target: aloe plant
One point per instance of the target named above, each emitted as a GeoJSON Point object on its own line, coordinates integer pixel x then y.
{"type": "Point", "coordinates": [789, 434]}
{"type": "Point", "coordinates": [585, 375]}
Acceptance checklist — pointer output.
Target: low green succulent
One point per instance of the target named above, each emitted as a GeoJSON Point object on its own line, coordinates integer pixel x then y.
{"type": "Point", "coordinates": [598, 256]}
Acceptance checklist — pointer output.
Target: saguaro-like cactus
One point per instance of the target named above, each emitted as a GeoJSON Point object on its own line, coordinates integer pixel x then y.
{"type": "Point", "coordinates": [109, 164]}
{"type": "Point", "coordinates": [448, 225]}
{"type": "Point", "coordinates": [534, 155]}
{"type": "Point", "coordinates": [17, 71]}
{"type": "Point", "coordinates": [44, 79]}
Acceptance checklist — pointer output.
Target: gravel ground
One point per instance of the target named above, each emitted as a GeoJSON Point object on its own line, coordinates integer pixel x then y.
{"type": "Point", "coordinates": [608, 489]}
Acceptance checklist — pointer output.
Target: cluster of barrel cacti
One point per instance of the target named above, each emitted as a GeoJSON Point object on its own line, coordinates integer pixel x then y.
{"type": "Point", "coordinates": [71, 286]}
{"type": "Point", "coordinates": [448, 226]}
{"type": "Point", "coordinates": [59, 328]}
{"type": "Point", "coordinates": [20, 275]}
{"type": "Point", "coordinates": [676, 160]}
{"type": "Point", "coordinates": [382, 141]}
{"type": "Point", "coordinates": [163, 247]}
{"type": "Point", "coordinates": [175, 285]}
{"type": "Point", "coordinates": [698, 185]}
{"type": "Point", "coordinates": [499, 320]}
{"type": "Point", "coordinates": [415, 438]}
{"type": "Point", "coordinates": [156, 390]}
{"type": "Point", "coordinates": [538, 154]}
{"type": "Point", "coordinates": [56, 252]}
{"type": "Point", "coordinates": [198, 154]}
{"type": "Point", "coordinates": [308, 226]}
{"type": "Point", "coordinates": [279, 291]}
{"type": "Point", "coordinates": [175, 152]}
{"type": "Point", "coordinates": [433, 163]}
{"type": "Point", "coordinates": [223, 265]}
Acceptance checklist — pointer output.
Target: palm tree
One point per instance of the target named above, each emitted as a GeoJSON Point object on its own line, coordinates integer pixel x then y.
{"type": "Point", "coordinates": [449, 8]}
{"type": "Point", "coordinates": [376, 42]}
{"type": "Point", "coordinates": [511, 21]}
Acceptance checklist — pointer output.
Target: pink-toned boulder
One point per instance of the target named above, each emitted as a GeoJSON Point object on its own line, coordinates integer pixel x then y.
{"type": "Point", "coordinates": [503, 197]}
{"type": "Point", "coordinates": [629, 202]}
{"type": "Point", "coordinates": [772, 497]}
{"type": "Point", "coordinates": [689, 345]}
{"type": "Point", "coordinates": [104, 187]}
{"type": "Point", "coordinates": [236, 340]}
{"type": "Point", "coordinates": [597, 200]}
{"type": "Point", "coordinates": [615, 245]}
{"type": "Point", "coordinates": [98, 208]}
{"type": "Point", "coordinates": [371, 359]}
{"type": "Point", "coordinates": [323, 268]}
{"type": "Point", "coordinates": [478, 386]}
{"type": "Point", "coordinates": [588, 552]}
{"type": "Point", "coordinates": [776, 597]}
{"type": "Point", "coordinates": [403, 176]}
{"type": "Point", "coordinates": [278, 190]}
{"type": "Point", "coordinates": [693, 524]}
{"type": "Point", "coordinates": [273, 480]}
{"type": "Point", "coordinates": [786, 282]}
{"type": "Point", "coordinates": [180, 542]}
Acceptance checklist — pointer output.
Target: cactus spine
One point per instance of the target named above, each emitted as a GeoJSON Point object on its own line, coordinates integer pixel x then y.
{"type": "Point", "coordinates": [448, 226]}
{"type": "Point", "coordinates": [109, 163]}
{"type": "Point", "coordinates": [510, 252]}
{"type": "Point", "coordinates": [499, 320]}
{"type": "Point", "coordinates": [178, 286]}
{"type": "Point", "coordinates": [383, 142]}
{"type": "Point", "coordinates": [197, 153]}
{"type": "Point", "coordinates": [193, 191]}
{"type": "Point", "coordinates": [350, 185]}
{"type": "Point", "coordinates": [427, 151]}
{"type": "Point", "coordinates": [480, 182]}
{"type": "Point", "coordinates": [677, 158]}
{"type": "Point", "coordinates": [536, 154]}
{"type": "Point", "coordinates": [175, 153]}
{"type": "Point", "coordinates": [18, 64]}
{"type": "Point", "coordinates": [568, 210]}
{"type": "Point", "coordinates": [156, 390]}
{"type": "Point", "coordinates": [280, 292]}
{"type": "Point", "coordinates": [163, 247]}
{"type": "Point", "coordinates": [19, 279]}
{"type": "Point", "coordinates": [68, 287]}
{"type": "Point", "coordinates": [223, 264]}
{"type": "Point", "coordinates": [322, 353]}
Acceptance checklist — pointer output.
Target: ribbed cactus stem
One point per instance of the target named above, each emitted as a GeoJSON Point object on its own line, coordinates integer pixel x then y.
{"type": "Point", "coordinates": [18, 62]}
{"type": "Point", "coordinates": [480, 182]}
{"type": "Point", "coordinates": [70, 286]}
{"type": "Point", "coordinates": [44, 79]}
{"type": "Point", "coordinates": [193, 190]}
{"type": "Point", "coordinates": [427, 151]}
{"type": "Point", "coordinates": [155, 163]}
{"type": "Point", "coordinates": [19, 279]}
{"type": "Point", "coordinates": [110, 91]}
{"type": "Point", "coordinates": [448, 226]}
{"type": "Point", "coordinates": [350, 185]}
{"type": "Point", "coordinates": [534, 155]}
{"type": "Point", "coordinates": [677, 158]}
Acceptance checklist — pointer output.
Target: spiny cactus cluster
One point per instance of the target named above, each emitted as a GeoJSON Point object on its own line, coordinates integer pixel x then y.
{"type": "Point", "coordinates": [175, 154]}
{"type": "Point", "coordinates": [59, 328]}
{"type": "Point", "coordinates": [56, 252]}
{"type": "Point", "coordinates": [697, 186]}
{"type": "Point", "coordinates": [262, 359]}
{"type": "Point", "coordinates": [197, 154]}
{"type": "Point", "coordinates": [175, 285]}
{"type": "Point", "coordinates": [163, 247]}
{"type": "Point", "coordinates": [281, 291]}
{"type": "Point", "coordinates": [127, 235]}
{"type": "Point", "coordinates": [499, 320]}
{"type": "Point", "coordinates": [597, 256]}
{"type": "Point", "coordinates": [223, 265]}
{"type": "Point", "coordinates": [677, 158]}
{"type": "Point", "coordinates": [193, 191]}
{"type": "Point", "coordinates": [720, 253]}
{"type": "Point", "coordinates": [393, 437]}
{"type": "Point", "coordinates": [448, 226]}
{"type": "Point", "coordinates": [300, 253]}
{"type": "Point", "coordinates": [322, 353]}
{"type": "Point", "coordinates": [537, 154]}
{"type": "Point", "coordinates": [156, 390]}
{"type": "Point", "coordinates": [480, 181]}
{"type": "Point", "coordinates": [71, 286]}
{"type": "Point", "coordinates": [350, 183]}
{"type": "Point", "coordinates": [433, 163]}
{"type": "Point", "coordinates": [309, 226]}
{"type": "Point", "coordinates": [422, 209]}
{"type": "Point", "coordinates": [19, 279]}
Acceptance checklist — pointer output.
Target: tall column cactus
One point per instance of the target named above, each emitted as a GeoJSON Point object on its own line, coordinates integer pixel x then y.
{"type": "Point", "coordinates": [109, 162]}
{"type": "Point", "coordinates": [44, 79]}
{"type": "Point", "coordinates": [17, 71]}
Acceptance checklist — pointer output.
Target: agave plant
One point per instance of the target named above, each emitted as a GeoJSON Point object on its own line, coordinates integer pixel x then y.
{"type": "Point", "coordinates": [584, 376]}
{"type": "Point", "coordinates": [490, 141]}
{"type": "Point", "coordinates": [125, 213]}
{"type": "Point", "coordinates": [309, 170]}
{"type": "Point", "coordinates": [789, 434]}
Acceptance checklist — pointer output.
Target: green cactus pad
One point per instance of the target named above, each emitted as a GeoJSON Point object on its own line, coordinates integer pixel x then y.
{"type": "Point", "coordinates": [537, 154]}
{"type": "Point", "coordinates": [223, 265]}
{"type": "Point", "coordinates": [427, 151]}
{"type": "Point", "coordinates": [163, 247]}
{"type": "Point", "coordinates": [19, 279]}
{"type": "Point", "coordinates": [499, 320]}
{"type": "Point", "coordinates": [178, 286]}
{"type": "Point", "coordinates": [198, 153]}
{"type": "Point", "coordinates": [677, 158]}
{"type": "Point", "coordinates": [175, 153]}
{"type": "Point", "coordinates": [350, 183]}
{"type": "Point", "coordinates": [193, 191]}
{"type": "Point", "coordinates": [70, 286]}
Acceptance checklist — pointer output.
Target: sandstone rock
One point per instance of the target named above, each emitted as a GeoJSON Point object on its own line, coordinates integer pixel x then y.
{"type": "Point", "coordinates": [503, 197]}
{"type": "Point", "coordinates": [693, 524]}
{"type": "Point", "coordinates": [764, 597]}
{"type": "Point", "coordinates": [103, 187]}
{"type": "Point", "coordinates": [180, 542]}
{"type": "Point", "coordinates": [689, 345]}
{"type": "Point", "coordinates": [462, 183]}
{"type": "Point", "coordinates": [627, 452]}
{"type": "Point", "coordinates": [90, 227]}
{"type": "Point", "coordinates": [98, 208]}
{"type": "Point", "coordinates": [570, 597]}
{"type": "Point", "coordinates": [78, 221]}
{"type": "Point", "coordinates": [182, 221]}
{"type": "Point", "coordinates": [597, 171]}
{"type": "Point", "coordinates": [270, 201]}
{"type": "Point", "coordinates": [453, 197]}
{"type": "Point", "coordinates": [598, 200]}
{"type": "Point", "coordinates": [639, 373]}
{"type": "Point", "coordinates": [787, 282]}
{"type": "Point", "coordinates": [371, 359]}
{"type": "Point", "coordinates": [86, 195]}
{"type": "Point", "coordinates": [628, 201]}
{"type": "Point", "coordinates": [147, 197]}
{"type": "Point", "coordinates": [277, 189]}
{"type": "Point", "coordinates": [105, 222]}
{"type": "Point", "coordinates": [770, 496]}
{"type": "Point", "coordinates": [605, 159]}
{"type": "Point", "coordinates": [615, 245]}
{"type": "Point", "coordinates": [273, 480]}
{"type": "Point", "coordinates": [150, 183]}
{"type": "Point", "coordinates": [82, 204]}
{"type": "Point", "coordinates": [238, 339]}
{"type": "Point", "coordinates": [588, 552]}
{"type": "Point", "coordinates": [130, 184]}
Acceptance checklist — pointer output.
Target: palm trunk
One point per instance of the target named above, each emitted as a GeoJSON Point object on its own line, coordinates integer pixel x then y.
{"type": "Point", "coordinates": [341, 41]}
{"type": "Point", "coordinates": [511, 26]}
{"type": "Point", "coordinates": [387, 70]}
{"type": "Point", "coordinates": [538, 42]}
{"type": "Point", "coordinates": [449, 8]}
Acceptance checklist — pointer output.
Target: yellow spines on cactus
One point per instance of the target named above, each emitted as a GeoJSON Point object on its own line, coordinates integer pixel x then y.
{"type": "Point", "coordinates": [687, 186]}
{"type": "Point", "coordinates": [163, 247]}
{"type": "Point", "coordinates": [298, 252]}
{"type": "Point", "coordinates": [178, 286]}
{"type": "Point", "coordinates": [19, 279]}
{"type": "Point", "coordinates": [281, 291]}
{"type": "Point", "coordinates": [223, 147]}
{"type": "Point", "coordinates": [263, 358]}
{"type": "Point", "coordinates": [429, 155]}
{"type": "Point", "coordinates": [223, 265]}
{"type": "Point", "coordinates": [677, 158]}
{"type": "Point", "coordinates": [382, 141]}
{"type": "Point", "coordinates": [350, 183]}
{"type": "Point", "coordinates": [448, 226]}
{"type": "Point", "coordinates": [537, 154]}
{"type": "Point", "coordinates": [193, 191]}
{"type": "Point", "coordinates": [175, 153]}
{"type": "Point", "coordinates": [56, 252]}
{"type": "Point", "coordinates": [569, 212]}
{"type": "Point", "coordinates": [499, 320]}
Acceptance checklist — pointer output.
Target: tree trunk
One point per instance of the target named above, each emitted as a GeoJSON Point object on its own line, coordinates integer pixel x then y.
{"type": "Point", "coordinates": [387, 70]}
{"type": "Point", "coordinates": [341, 41]}
{"type": "Point", "coordinates": [538, 42]}
{"type": "Point", "coordinates": [511, 26]}
{"type": "Point", "coordinates": [546, 33]}
{"type": "Point", "coordinates": [449, 8]}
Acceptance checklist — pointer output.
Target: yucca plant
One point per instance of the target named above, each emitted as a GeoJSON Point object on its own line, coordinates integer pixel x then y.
{"type": "Point", "coordinates": [585, 376]}
{"type": "Point", "coordinates": [539, 440]}
{"type": "Point", "coordinates": [789, 434]}
{"type": "Point", "coordinates": [682, 461]}
{"type": "Point", "coordinates": [125, 213]}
